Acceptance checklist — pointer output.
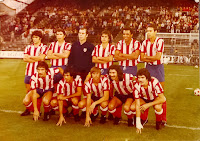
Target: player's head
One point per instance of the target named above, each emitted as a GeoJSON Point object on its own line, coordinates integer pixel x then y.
{"type": "Point", "coordinates": [36, 36]}
{"type": "Point", "coordinates": [115, 73]}
{"type": "Point", "coordinates": [69, 74]}
{"type": "Point", "coordinates": [151, 30]}
{"type": "Point", "coordinates": [60, 34]}
{"type": "Point", "coordinates": [42, 68]}
{"type": "Point", "coordinates": [143, 76]}
{"type": "Point", "coordinates": [82, 34]}
{"type": "Point", "coordinates": [95, 73]}
{"type": "Point", "coordinates": [106, 37]}
{"type": "Point", "coordinates": [127, 34]}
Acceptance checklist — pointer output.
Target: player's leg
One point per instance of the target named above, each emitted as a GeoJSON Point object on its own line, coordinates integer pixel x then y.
{"type": "Point", "coordinates": [158, 112]}
{"type": "Point", "coordinates": [27, 101]}
{"type": "Point", "coordinates": [54, 105]}
{"type": "Point", "coordinates": [128, 112]}
{"type": "Point", "coordinates": [115, 107]}
{"type": "Point", "coordinates": [75, 107]}
{"type": "Point", "coordinates": [46, 103]}
{"type": "Point", "coordinates": [82, 106]}
{"type": "Point", "coordinates": [104, 109]}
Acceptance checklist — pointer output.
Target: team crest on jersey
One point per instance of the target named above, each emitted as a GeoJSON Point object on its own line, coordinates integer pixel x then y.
{"type": "Point", "coordinates": [84, 49]}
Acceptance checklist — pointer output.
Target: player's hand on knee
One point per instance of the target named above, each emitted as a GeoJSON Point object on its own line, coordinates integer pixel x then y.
{"type": "Point", "coordinates": [61, 120]}
{"type": "Point", "coordinates": [36, 115]}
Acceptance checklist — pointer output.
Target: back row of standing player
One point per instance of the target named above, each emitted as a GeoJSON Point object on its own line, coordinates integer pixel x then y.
{"type": "Point", "coordinates": [81, 55]}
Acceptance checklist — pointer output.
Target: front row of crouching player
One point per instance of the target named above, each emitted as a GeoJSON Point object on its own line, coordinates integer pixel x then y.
{"type": "Point", "coordinates": [109, 92]}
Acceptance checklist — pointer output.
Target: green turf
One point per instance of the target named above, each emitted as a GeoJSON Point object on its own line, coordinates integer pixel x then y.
{"type": "Point", "coordinates": [182, 110]}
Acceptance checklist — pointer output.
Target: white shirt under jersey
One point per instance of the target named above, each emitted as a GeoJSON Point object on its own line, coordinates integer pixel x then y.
{"type": "Point", "coordinates": [59, 49]}
{"type": "Point", "coordinates": [153, 90]}
{"type": "Point", "coordinates": [67, 89]}
{"type": "Point", "coordinates": [44, 83]}
{"type": "Point", "coordinates": [151, 49]}
{"type": "Point", "coordinates": [128, 49]}
{"type": "Point", "coordinates": [98, 90]}
{"type": "Point", "coordinates": [125, 86]}
{"type": "Point", "coordinates": [99, 51]}
{"type": "Point", "coordinates": [34, 51]}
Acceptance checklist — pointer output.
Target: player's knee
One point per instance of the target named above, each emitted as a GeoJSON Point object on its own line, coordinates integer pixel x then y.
{"type": "Point", "coordinates": [111, 106]}
{"type": "Point", "coordinates": [75, 101]}
{"type": "Point", "coordinates": [158, 108]}
{"type": "Point", "coordinates": [45, 101]}
{"type": "Point", "coordinates": [26, 101]}
{"type": "Point", "coordinates": [81, 104]}
{"type": "Point", "coordinates": [133, 108]}
{"type": "Point", "coordinates": [104, 104]}
{"type": "Point", "coordinates": [54, 103]}
{"type": "Point", "coordinates": [126, 108]}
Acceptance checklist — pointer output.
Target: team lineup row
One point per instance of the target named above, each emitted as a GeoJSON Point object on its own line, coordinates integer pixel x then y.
{"type": "Point", "coordinates": [106, 84]}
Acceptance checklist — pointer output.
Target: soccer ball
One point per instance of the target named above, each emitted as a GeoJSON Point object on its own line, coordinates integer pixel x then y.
{"type": "Point", "coordinates": [197, 92]}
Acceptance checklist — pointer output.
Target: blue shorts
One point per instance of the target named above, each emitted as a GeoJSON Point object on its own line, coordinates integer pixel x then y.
{"type": "Point", "coordinates": [58, 76]}
{"type": "Point", "coordinates": [122, 97]}
{"type": "Point", "coordinates": [104, 71]}
{"type": "Point", "coordinates": [129, 69]}
{"type": "Point", "coordinates": [157, 71]}
{"type": "Point", "coordinates": [27, 79]}
{"type": "Point", "coordinates": [41, 92]}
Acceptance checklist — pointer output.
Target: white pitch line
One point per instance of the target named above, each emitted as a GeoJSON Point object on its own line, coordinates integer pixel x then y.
{"type": "Point", "coordinates": [171, 126]}
{"type": "Point", "coordinates": [180, 75]}
{"type": "Point", "coordinates": [189, 88]}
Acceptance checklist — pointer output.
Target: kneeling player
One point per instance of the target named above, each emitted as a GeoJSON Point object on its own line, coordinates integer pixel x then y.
{"type": "Point", "coordinates": [147, 92]}
{"type": "Point", "coordinates": [69, 92]}
{"type": "Point", "coordinates": [97, 90]}
{"type": "Point", "coordinates": [41, 89]}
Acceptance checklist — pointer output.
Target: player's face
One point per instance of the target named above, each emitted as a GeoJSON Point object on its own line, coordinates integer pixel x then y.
{"type": "Point", "coordinates": [96, 76]}
{"type": "Point", "coordinates": [67, 77]}
{"type": "Point", "coordinates": [151, 33]}
{"type": "Point", "coordinates": [127, 36]}
{"type": "Point", "coordinates": [41, 72]}
{"type": "Point", "coordinates": [143, 80]}
{"type": "Point", "coordinates": [104, 38]}
{"type": "Point", "coordinates": [113, 74]}
{"type": "Point", "coordinates": [60, 36]}
{"type": "Point", "coordinates": [36, 39]}
{"type": "Point", "coordinates": [82, 35]}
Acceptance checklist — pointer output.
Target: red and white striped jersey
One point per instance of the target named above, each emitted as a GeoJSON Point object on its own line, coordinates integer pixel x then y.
{"type": "Point", "coordinates": [44, 83]}
{"type": "Point", "coordinates": [67, 89]}
{"type": "Point", "coordinates": [98, 90]}
{"type": "Point", "coordinates": [125, 86]}
{"type": "Point", "coordinates": [99, 51]}
{"type": "Point", "coordinates": [153, 90]}
{"type": "Point", "coordinates": [34, 51]}
{"type": "Point", "coordinates": [59, 49]}
{"type": "Point", "coordinates": [128, 49]}
{"type": "Point", "coordinates": [151, 49]}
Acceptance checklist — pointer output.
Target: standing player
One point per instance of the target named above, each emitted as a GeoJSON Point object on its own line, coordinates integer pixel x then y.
{"type": "Point", "coordinates": [97, 90]}
{"type": "Point", "coordinates": [103, 53]}
{"type": "Point", "coordinates": [81, 54]}
{"type": "Point", "coordinates": [59, 52]}
{"type": "Point", "coordinates": [123, 84]}
{"type": "Point", "coordinates": [69, 92]}
{"type": "Point", "coordinates": [42, 89]}
{"type": "Point", "coordinates": [32, 55]}
{"type": "Point", "coordinates": [127, 52]}
{"type": "Point", "coordinates": [147, 92]}
{"type": "Point", "coordinates": [152, 53]}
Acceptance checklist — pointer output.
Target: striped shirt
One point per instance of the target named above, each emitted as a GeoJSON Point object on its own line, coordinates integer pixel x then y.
{"type": "Point", "coordinates": [151, 49]}
{"type": "Point", "coordinates": [128, 49]}
{"type": "Point", "coordinates": [125, 86]}
{"type": "Point", "coordinates": [59, 49]}
{"type": "Point", "coordinates": [68, 89]}
{"type": "Point", "coordinates": [34, 51]}
{"type": "Point", "coordinates": [44, 83]}
{"type": "Point", "coordinates": [98, 90]}
{"type": "Point", "coordinates": [153, 90]}
{"type": "Point", "coordinates": [99, 51]}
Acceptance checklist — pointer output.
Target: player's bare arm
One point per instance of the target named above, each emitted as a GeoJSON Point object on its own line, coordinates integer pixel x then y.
{"type": "Point", "coordinates": [139, 126]}
{"type": "Point", "coordinates": [96, 60]}
{"type": "Point", "coordinates": [60, 106]}
{"type": "Point", "coordinates": [88, 120]}
{"type": "Point", "coordinates": [65, 54]}
{"type": "Point", "coordinates": [41, 57]}
{"type": "Point", "coordinates": [132, 56]}
{"type": "Point", "coordinates": [78, 93]}
{"type": "Point", "coordinates": [51, 55]}
{"type": "Point", "coordinates": [118, 56]}
{"type": "Point", "coordinates": [155, 57]}
{"type": "Point", "coordinates": [36, 112]}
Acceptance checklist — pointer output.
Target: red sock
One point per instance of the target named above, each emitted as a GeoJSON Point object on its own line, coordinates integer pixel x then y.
{"type": "Point", "coordinates": [95, 111]}
{"type": "Point", "coordinates": [46, 108]}
{"type": "Point", "coordinates": [104, 111]}
{"type": "Point", "coordinates": [75, 109]}
{"type": "Point", "coordinates": [158, 117]}
{"type": "Point", "coordinates": [164, 114]}
{"type": "Point", "coordinates": [30, 107]}
{"type": "Point", "coordinates": [118, 113]}
{"type": "Point", "coordinates": [129, 114]}
{"type": "Point", "coordinates": [144, 115]}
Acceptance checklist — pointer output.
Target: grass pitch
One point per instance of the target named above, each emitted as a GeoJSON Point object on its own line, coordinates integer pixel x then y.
{"type": "Point", "coordinates": [182, 112]}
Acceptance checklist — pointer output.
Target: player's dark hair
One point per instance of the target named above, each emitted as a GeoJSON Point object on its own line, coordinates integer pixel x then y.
{"type": "Point", "coordinates": [71, 71]}
{"type": "Point", "coordinates": [95, 69]}
{"type": "Point", "coordinates": [107, 33]}
{"type": "Point", "coordinates": [43, 64]}
{"type": "Point", "coordinates": [61, 30]}
{"type": "Point", "coordinates": [127, 28]}
{"type": "Point", "coordinates": [119, 71]}
{"type": "Point", "coordinates": [152, 25]}
{"type": "Point", "coordinates": [37, 33]}
{"type": "Point", "coordinates": [144, 72]}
